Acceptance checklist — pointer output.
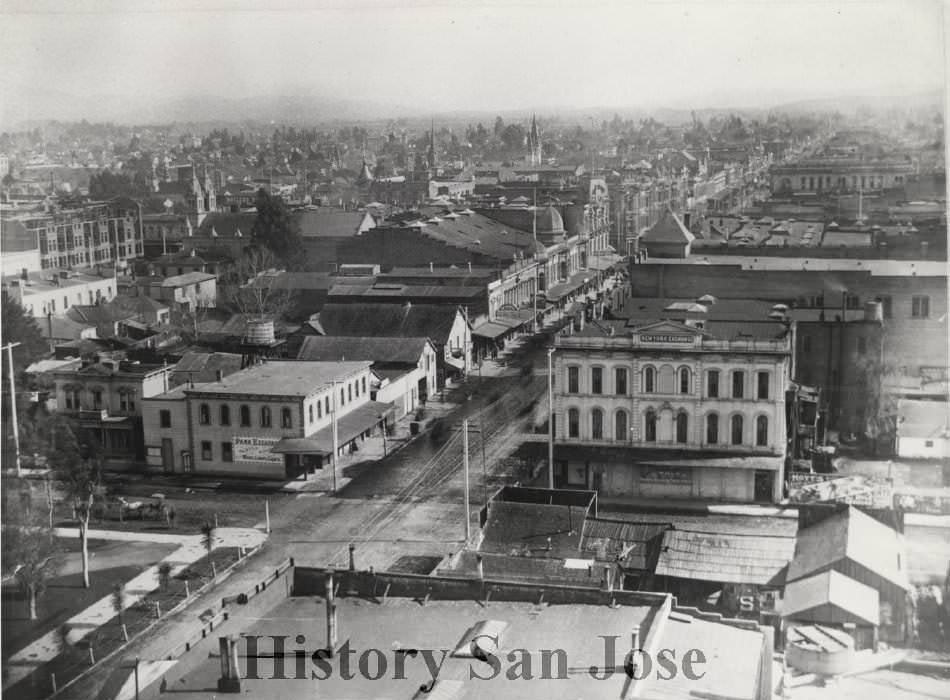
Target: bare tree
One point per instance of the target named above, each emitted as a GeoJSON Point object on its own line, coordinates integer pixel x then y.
{"type": "Point", "coordinates": [253, 286]}
{"type": "Point", "coordinates": [118, 607]}
{"type": "Point", "coordinates": [28, 553]}
{"type": "Point", "coordinates": [164, 575]}
{"type": "Point", "coordinates": [208, 539]}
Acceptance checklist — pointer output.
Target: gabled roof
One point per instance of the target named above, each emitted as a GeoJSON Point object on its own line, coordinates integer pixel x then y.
{"type": "Point", "coordinates": [187, 278]}
{"type": "Point", "coordinates": [325, 222]}
{"type": "Point", "coordinates": [200, 367]}
{"type": "Point", "coordinates": [725, 558]}
{"type": "Point", "coordinates": [431, 321]}
{"type": "Point", "coordinates": [98, 315]}
{"type": "Point", "coordinates": [668, 229]}
{"type": "Point", "coordinates": [632, 545]}
{"type": "Point", "coordinates": [376, 349]}
{"type": "Point", "coordinates": [834, 589]}
{"type": "Point", "coordinates": [850, 534]}
{"type": "Point", "coordinates": [227, 225]}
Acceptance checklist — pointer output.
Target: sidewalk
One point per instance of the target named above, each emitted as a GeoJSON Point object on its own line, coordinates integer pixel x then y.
{"type": "Point", "coordinates": [191, 549]}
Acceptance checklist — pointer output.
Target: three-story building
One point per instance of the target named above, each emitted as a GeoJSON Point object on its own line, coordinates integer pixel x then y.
{"type": "Point", "coordinates": [673, 409]}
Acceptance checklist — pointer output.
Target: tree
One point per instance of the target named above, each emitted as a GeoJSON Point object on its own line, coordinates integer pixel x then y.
{"type": "Point", "coordinates": [208, 540]}
{"type": "Point", "coordinates": [19, 328]}
{"type": "Point", "coordinates": [513, 136]}
{"type": "Point", "coordinates": [499, 126]}
{"type": "Point", "coordinates": [275, 229]}
{"type": "Point", "coordinates": [28, 552]}
{"type": "Point", "coordinates": [118, 607]}
{"type": "Point", "coordinates": [164, 575]}
{"type": "Point", "coordinates": [251, 285]}
{"type": "Point", "coordinates": [77, 467]}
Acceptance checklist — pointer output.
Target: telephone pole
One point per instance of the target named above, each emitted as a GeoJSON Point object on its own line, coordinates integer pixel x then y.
{"type": "Point", "coordinates": [551, 418]}
{"type": "Point", "coordinates": [16, 431]}
{"type": "Point", "coordinates": [468, 520]}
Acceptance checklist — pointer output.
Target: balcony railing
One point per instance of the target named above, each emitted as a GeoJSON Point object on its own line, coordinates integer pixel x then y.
{"type": "Point", "coordinates": [743, 345]}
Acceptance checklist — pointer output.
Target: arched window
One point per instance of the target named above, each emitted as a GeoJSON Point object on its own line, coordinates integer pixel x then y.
{"type": "Point", "coordinates": [597, 424]}
{"type": "Point", "coordinates": [712, 429]}
{"type": "Point", "coordinates": [204, 414]}
{"type": "Point", "coordinates": [224, 414]}
{"type": "Point", "coordinates": [712, 384]}
{"type": "Point", "coordinates": [762, 431]}
{"type": "Point", "coordinates": [649, 380]}
{"type": "Point", "coordinates": [311, 413]}
{"type": "Point", "coordinates": [286, 418]}
{"type": "Point", "coordinates": [573, 423]}
{"type": "Point", "coordinates": [736, 429]}
{"type": "Point", "coordinates": [684, 380]}
{"type": "Point", "coordinates": [620, 426]}
{"type": "Point", "coordinates": [649, 431]}
{"type": "Point", "coordinates": [682, 427]}
{"type": "Point", "coordinates": [245, 416]}
{"type": "Point", "coordinates": [265, 416]}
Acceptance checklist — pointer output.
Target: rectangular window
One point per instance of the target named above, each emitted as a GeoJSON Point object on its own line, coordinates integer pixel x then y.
{"type": "Point", "coordinates": [887, 306]}
{"type": "Point", "coordinates": [573, 423]}
{"type": "Point", "coordinates": [920, 307]}
{"type": "Point", "coordinates": [319, 409]}
{"type": "Point", "coordinates": [738, 384]}
{"type": "Point", "coordinates": [206, 450]}
{"type": "Point", "coordinates": [763, 385]}
{"type": "Point", "coordinates": [227, 454]}
{"type": "Point", "coordinates": [286, 418]}
{"type": "Point", "coordinates": [596, 380]}
{"type": "Point", "coordinates": [573, 380]}
{"type": "Point", "coordinates": [349, 392]}
{"type": "Point", "coordinates": [96, 399]}
{"type": "Point", "coordinates": [712, 384]}
{"type": "Point", "coordinates": [621, 381]}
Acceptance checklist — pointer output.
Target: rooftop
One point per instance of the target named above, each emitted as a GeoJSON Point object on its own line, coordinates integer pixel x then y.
{"type": "Point", "coordinates": [725, 558]}
{"type": "Point", "coordinates": [880, 268]}
{"type": "Point", "coordinates": [286, 378]}
{"type": "Point", "coordinates": [433, 321]}
{"type": "Point", "coordinates": [374, 349]}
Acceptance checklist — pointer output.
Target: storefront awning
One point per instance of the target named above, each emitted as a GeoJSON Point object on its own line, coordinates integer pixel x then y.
{"type": "Point", "coordinates": [556, 292]}
{"type": "Point", "coordinates": [490, 330]}
{"type": "Point", "coordinates": [349, 426]}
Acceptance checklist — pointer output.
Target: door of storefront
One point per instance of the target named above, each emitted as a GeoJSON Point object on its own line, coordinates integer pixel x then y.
{"type": "Point", "coordinates": [764, 481]}
{"type": "Point", "coordinates": [168, 455]}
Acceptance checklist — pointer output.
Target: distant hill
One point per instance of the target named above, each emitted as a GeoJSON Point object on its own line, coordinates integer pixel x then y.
{"type": "Point", "coordinates": [850, 104]}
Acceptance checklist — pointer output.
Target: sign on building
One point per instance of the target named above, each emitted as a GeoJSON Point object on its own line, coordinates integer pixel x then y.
{"type": "Point", "coordinates": [252, 449]}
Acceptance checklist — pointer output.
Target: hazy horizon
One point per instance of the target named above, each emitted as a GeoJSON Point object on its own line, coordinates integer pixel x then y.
{"type": "Point", "coordinates": [103, 59]}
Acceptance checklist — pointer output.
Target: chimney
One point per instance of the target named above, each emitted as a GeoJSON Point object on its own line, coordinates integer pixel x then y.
{"type": "Point", "coordinates": [24, 275]}
{"type": "Point", "coordinates": [219, 375]}
{"type": "Point", "coordinates": [635, 638]}
{"type": "Point", "coordinates": [331, 616]}
{"type": "Point", "coordinates": [352, 557]}
{"type": "Point", "coordinates": [481, 567]}
{"type": "Point", "coordinates": [230, 680]}
{"type": "Point", "coordinates": [431, 267]}
{"type": "Point", "coordinates": [469, 265]}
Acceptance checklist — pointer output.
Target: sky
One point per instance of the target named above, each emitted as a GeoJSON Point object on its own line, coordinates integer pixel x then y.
{"type": "Point", "coordinates": [488, 55]}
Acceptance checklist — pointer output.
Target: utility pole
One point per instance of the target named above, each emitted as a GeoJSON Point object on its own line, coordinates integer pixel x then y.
{"type": "Point", "coordinates": [336, 447]}
{"type": "Point", "coordinates": [468, 520]}
{"type": "Point", "coordinates": [551, 418]}
{"type": "Point", "coordinates": [16, 431]}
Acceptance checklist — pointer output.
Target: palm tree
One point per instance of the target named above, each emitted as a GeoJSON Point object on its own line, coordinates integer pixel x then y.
{"type": "Point", "coordinates": [164, 575]}
{"type": "Point", "coordinates": [207, 539]}
{"type": "Point", "coordinates": [118, 607]}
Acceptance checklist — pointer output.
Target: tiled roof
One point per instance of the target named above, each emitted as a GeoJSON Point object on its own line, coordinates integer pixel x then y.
{"type": "Point", "coordinates": [375, 349]}
{"type": "Point", "coordinates": [704, 556]}
{"type": "Point", "coordinates": [431, 321]}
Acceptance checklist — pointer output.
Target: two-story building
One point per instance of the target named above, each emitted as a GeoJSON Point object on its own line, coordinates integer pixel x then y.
{"type": "Point", "coordinates": [673, 408]}
{"type": "Point", "coordinates": [106, 396]}
{"type": "Point", "coordinates": [189, 291]}
{"type": "Point", "coordinates": [273, 420]}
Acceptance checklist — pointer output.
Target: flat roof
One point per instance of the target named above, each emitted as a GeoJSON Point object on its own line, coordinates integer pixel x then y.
{"type": "Point", "coordinates": [762, 261]}
{"type": "Point", "coordinates": [291, 378]}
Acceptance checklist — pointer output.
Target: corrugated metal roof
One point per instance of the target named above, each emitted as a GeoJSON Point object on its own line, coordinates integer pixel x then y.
{"type": "Point", "coordinates": [732, 558]}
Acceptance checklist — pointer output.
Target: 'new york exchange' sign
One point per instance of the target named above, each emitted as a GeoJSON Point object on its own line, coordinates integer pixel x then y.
{"type": "Point", "coordinates": [666, 338]}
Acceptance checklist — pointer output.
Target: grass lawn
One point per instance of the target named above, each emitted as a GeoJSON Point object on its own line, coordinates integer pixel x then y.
{"type": "Point", "coordinates": [136, 618]}
{"type": "Point", "coordinates": [110, 563]}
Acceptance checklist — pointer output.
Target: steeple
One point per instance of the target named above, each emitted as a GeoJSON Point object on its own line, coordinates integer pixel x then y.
{"type": "Point", "coordinates": [431, 154]}
{"type": "Point", "coordinates": [534, 141]}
